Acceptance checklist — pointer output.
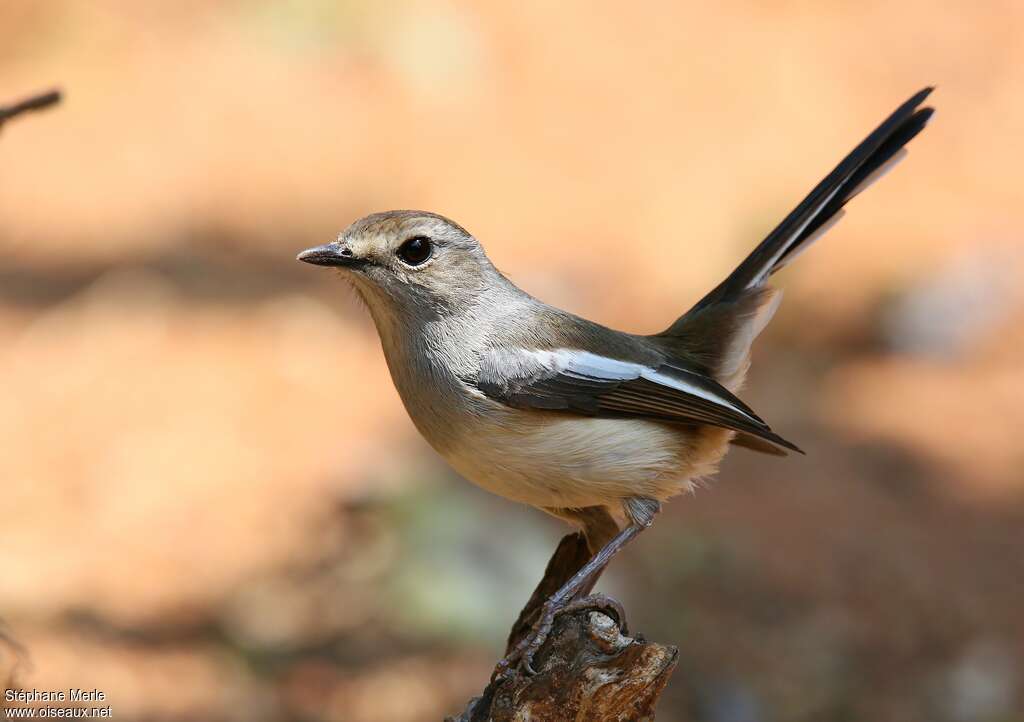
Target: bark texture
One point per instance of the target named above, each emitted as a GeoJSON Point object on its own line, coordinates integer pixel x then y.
{"type": "Point", "coordinates": [588, 670]}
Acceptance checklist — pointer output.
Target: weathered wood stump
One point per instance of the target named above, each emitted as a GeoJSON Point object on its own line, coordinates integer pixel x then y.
{"type": "Point", "coordinates": [588, 670]}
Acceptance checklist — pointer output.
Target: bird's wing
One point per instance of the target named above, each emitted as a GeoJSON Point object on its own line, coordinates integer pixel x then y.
{"type": "Point", "coordinates": [589, 384]}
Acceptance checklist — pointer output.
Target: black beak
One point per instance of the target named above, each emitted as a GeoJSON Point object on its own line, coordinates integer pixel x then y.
{"type": "Point", "coordinates": [329, 254]}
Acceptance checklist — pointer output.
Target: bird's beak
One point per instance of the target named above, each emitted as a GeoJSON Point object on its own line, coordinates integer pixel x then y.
{"type": "Point", "coordinates": [329, 254]}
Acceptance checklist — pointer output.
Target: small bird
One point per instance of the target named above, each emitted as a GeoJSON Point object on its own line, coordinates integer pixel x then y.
{"type": "Point", "coordinates": [595, 426]}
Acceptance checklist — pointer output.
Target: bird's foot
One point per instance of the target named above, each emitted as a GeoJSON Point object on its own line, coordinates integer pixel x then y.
{"type": "Point", "coordinates": [522, 655]}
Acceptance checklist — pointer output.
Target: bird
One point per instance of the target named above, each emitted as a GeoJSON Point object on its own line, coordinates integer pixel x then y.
{"type": "Point", "coordinates": [592, 425]}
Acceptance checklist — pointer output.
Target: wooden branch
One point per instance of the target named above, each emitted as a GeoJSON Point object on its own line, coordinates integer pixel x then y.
{"type": "Point", "coordinates": [587, 671]}
{"type": "Point", "coordinates": [34, 102]}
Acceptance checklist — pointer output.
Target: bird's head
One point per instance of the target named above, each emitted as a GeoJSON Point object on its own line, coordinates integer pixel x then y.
{"type": "Point", "coordinates": [408, 262]}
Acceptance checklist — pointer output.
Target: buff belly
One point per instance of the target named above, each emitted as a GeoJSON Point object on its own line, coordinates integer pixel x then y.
{"type": "Point", "coordinates": [555, 460]}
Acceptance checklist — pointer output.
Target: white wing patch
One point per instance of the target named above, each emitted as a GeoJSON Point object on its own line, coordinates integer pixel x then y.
{"type": "Point", "coordinates": [587, 364]}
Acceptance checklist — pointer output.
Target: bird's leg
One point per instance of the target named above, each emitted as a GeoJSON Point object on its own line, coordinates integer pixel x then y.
{"type": "Point", "coordinates": [641, 512]}
{"type": "Point", "coordinates": [599, 527]}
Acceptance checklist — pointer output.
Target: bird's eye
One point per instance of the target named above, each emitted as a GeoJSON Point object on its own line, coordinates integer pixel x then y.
{"type": "Point", "coordinates": [415, 251]}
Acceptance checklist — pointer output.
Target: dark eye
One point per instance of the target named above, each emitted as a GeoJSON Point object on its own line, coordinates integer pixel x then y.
{"type": "Point", "coordinates": [416, 250]}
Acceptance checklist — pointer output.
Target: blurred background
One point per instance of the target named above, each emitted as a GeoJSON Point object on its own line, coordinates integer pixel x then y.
{"type": "Point", "coordinates": [212, 505]}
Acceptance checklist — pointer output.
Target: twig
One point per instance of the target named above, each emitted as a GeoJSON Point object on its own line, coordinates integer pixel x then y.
{"type": "Point", "coordinates": [35, 102]}
{"type": "Point", "coordinates": [588, 671]}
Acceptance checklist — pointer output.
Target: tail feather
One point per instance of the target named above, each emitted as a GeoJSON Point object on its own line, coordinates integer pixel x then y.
{"type": "Point", "coordinates": [825, 201]}
{"type": "Point", "coordinates": [716, 334]}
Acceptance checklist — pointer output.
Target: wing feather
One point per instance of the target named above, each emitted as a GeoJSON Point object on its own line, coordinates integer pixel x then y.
{"type": "Point", "coordinates": [588, 384]}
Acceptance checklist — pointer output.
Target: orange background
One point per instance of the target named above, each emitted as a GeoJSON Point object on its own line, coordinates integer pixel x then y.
{"type": "Point", "coordinates": [212, 505]}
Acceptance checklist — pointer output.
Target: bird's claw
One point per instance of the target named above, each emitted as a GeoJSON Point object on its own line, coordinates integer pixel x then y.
{"type": "Point", "coordinates": [522, 655]}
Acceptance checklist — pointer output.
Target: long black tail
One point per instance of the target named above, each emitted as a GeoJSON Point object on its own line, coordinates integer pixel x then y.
{"type": "Point", "coordinates": [716, 334]}
{"type": "Point", "coordinates": [824, 202]}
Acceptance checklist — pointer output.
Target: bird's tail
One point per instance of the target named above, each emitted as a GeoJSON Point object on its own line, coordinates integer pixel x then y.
{"type": "Point", "coordinates": [718, 331]}
{"type": "Point", "coordinates": [876, 154]}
